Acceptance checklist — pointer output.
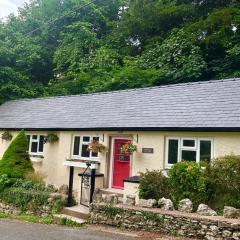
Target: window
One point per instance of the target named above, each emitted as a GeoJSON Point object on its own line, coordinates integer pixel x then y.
{"type": "Point", "coordinates": [36, 143]}
{"type": "Point", "coordinates": [189, 149]}
{"type": "Point", "coordinates": [80, 147]}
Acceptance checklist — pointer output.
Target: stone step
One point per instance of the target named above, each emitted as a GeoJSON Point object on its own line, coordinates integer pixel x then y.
{"type": "Point", "coordinates": [79, 211]}
{"type": "Point", "coordinates": [64, 216]}
{"type": "Point", "coordinates": [119, 193]}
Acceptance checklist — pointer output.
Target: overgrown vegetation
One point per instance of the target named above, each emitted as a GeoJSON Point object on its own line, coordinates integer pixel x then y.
{"type": "Point", "coordinates": [187, 180]}
{"type": "Point", "coordinates": [223, 182]}
{"type": "Point", "coordinates": [29, 196]}
{"type": "Point", "coordinates": [110, 210]}
{"type": "Point", "coordinates": [217, 184]}
{"type": "Point", "coordinates": [20, 186]}
{"type": "Point", "coordinates": [16, 162]}
{"type": "Point", "coordinates": [154, 185]}
{"type": "Point", "coordinates": [118, 44]}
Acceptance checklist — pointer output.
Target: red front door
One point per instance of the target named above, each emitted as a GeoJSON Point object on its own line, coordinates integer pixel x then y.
{"type": "Point", "coordinates": [121, 164]}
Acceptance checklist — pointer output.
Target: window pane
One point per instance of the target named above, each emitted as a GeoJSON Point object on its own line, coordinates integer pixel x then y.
{"type": "Point", "coordinates": [85, 152]}
{"type": "Point", "coordinates": [189, 155]}
{"type": "Point", "coordinates": [34, 136]}
{"type": "Point", "coordinates": [86, 139]}
{"type": "Point", "coordinates": [41, 141]}
{"type": "Point", "coordinates": [96, 139]}
{"type": "Point", "coordinates": [76, 146]}
{"type": "Point", "coordinates": [188, 143]}
{"type": "Point", "coordinates": [34, 147]}
{"type": "Point", "coordinates": [205, 150]}
{"type": "Point", "coordinates": [94, 154]}
{"type": "Point", "coordinates": [172, 151]}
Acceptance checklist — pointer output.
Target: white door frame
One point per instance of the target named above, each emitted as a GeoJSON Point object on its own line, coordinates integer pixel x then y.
{"type": "Point", "coordinates": [111, 159]}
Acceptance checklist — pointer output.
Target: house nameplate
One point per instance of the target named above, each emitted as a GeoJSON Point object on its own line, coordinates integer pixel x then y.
{"type": "Point", "coordinates": [147, 150]}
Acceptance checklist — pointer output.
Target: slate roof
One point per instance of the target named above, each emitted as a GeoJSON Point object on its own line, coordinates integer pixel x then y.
{"type": "Point", "coordinates": [210, 105]}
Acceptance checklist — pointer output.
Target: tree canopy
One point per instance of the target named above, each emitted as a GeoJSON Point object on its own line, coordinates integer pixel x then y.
{"type": "Point", "coordinates": [79, 46]}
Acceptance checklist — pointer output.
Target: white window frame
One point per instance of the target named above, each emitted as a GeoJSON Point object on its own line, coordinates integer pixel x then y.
{"type": "Point", "coordinates": [79, 157]}
{"type": "Point", "coordinates": [181, 147]}
{"type": "Point", "coordinates": [31, 140]}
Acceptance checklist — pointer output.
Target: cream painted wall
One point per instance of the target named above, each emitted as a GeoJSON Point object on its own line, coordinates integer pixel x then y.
{"type": "Point", "coordinates": [55, 154]}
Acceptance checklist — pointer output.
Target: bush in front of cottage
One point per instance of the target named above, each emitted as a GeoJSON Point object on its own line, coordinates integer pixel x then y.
{"type": "Point", "coordinates": [223, 182]}
{"type": "Point", "coordinates": [16, 162]}
{"type": "Point", "coordinates": [154, 185]}
{"type": "Point", "coordinates": [187, 180]}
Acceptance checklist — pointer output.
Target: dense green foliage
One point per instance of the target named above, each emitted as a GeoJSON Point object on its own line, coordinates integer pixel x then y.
{"type": "Point", "coordinates": [217, 184]}
{"type": "Point", "coordinates": [153, 185]}
{"type": "Point", "coordinates": [16, 162]}
{"type": "Point", "coordinates": [68, 47]}
{"type": "Point", "coordinates": [223, 182]}
{"type": "Point", "coordinates": [29, 196]}
{"type": "Point", "coordinates": [187, 180]}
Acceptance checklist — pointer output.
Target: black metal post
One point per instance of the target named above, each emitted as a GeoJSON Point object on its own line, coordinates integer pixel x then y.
{"type": "Point", "coordinates": [70, 187]}
{"type": "Point", "coordinates": [92, 186]}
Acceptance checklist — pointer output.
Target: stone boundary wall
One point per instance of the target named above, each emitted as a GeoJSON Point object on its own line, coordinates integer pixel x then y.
{"type": "Point", "coordinates": [167, 222]}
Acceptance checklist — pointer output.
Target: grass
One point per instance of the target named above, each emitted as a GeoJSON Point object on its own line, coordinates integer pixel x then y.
{"type": "Point", "coordinates": [41, 220]}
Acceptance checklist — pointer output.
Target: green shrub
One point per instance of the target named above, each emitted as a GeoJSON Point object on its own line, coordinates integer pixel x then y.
{"type": "Point", "coordinates": [187, 180]}
{"type": "Point", "coordinates": [29, 185]}
{"type": "Point", "coordinates": [24, 199]}
{"type": "Point", "coordinates": [16, 162]}
{"type": "Point", "coordinates": [223, 182]}
{"type": "Point", "coordinates": [153, 185]}
{"type": "Point", "coordinates": [58, 205]}
{"type": "Point", "coordinates": [6, 182]}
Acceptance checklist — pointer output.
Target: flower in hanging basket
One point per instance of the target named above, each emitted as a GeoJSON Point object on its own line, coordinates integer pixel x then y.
{"type": "Point", "coordinates": [7, 136]}
{"type": "Point", "coordinates": [51, 138]}
{"type": "Point", "coordinates": [128, 148]}
{"type": "Point", "coordinates": [96, 147]}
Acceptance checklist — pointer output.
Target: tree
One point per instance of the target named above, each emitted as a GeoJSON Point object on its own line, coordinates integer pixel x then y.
{"type": "Point", "coordinates": [77, 46]}
{"type": "Point", "coordinates": [178, 58]}
{"type": "Point", "coordinates": [16, 161]}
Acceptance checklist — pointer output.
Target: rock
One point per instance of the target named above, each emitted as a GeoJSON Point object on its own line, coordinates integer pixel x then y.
{"type": "Point", "coordinates": [108, 198]}
{"type": "Point", "coordinates": [97, 198]}
{"type": "Point", "coordinates": [115, 199]}
{"type": "Point", "coordinates": [129, 200]}
{"type": "Point", "coordinates": [205, 210]}
{"type": "Point", "coordinates": [120, 200]}
{"type": "Point", "coordinates": [165, 204]}
{"type": "Point", "coordinates": [63, 189]}
{"type": "Point", "coordinates": [55, 195]}
{"type": "Point", "coordinates": [226, 234]}
{"type": "Point", "coordinates": [231, 212]}
{"type": "Point", "coordinates": [185, 205]}
{"type": "Point", "coordinates": [149, 203]}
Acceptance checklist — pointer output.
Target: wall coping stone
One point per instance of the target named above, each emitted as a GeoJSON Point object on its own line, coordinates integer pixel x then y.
{"type": "Point", "coordinates": [217, 220]}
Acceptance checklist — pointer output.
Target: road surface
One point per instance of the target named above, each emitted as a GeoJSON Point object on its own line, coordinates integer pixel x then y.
{"type": "Point", "coordinates": [17, 230]}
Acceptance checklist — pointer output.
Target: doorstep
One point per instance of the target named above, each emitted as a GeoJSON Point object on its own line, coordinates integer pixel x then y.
{"type": "Point", "coordinates": [118, 192]}
{"type": "Point", "coordinates": [79, 211]}
{"type": "Point", "coordinates": [74, 219]}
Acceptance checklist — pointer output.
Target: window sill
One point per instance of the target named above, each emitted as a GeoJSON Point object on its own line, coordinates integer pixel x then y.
{"type": "Point", "coordinates": [81, 163]}
{"type": "Point", "coordinates": [36, 155]}
{"type": "Point", "coordinates": [36, 158]}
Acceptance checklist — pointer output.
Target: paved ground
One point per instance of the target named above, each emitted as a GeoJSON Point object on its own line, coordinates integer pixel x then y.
{"type": "Point", "coordinates": [17, 230]}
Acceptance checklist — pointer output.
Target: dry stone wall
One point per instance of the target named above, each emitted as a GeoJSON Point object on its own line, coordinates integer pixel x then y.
{"type": "Point", "coordinates": [167, 222]}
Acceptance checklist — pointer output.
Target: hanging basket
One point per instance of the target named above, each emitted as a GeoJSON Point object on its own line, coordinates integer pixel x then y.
{"type": "Point", "coordinates": [128, 148]}
{"type": "Point", "coordinates": [51, 138]}
{"type": "Point", "coordinates": [96, 147]}
{"type": "Point", "coordinates": [7, 136]}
